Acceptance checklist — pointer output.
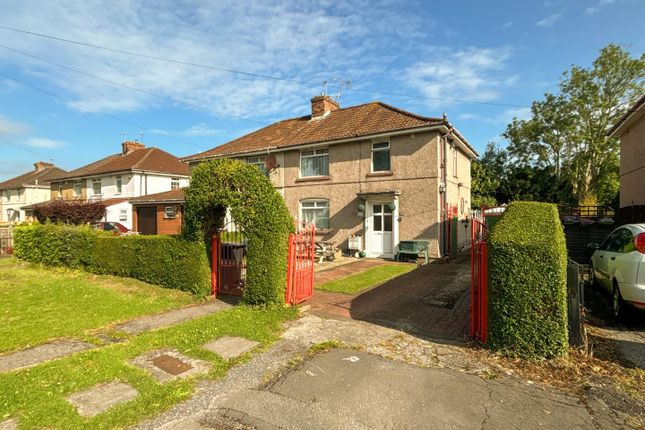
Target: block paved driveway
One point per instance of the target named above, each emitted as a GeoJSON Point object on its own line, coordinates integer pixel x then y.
{"type": "Point", "coordinates": [431, 301]}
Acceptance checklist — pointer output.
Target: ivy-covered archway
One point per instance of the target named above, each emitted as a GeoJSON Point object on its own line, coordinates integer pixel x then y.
{"type": "Point", "coordinates": [256, 207]}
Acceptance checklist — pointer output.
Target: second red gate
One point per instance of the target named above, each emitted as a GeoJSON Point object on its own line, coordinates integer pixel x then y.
{"type": "Point", "coordinates": [300, 265]}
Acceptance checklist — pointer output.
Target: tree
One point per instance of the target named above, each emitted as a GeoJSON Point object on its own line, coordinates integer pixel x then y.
{"type": "Point", "coordinates": [567, 132]}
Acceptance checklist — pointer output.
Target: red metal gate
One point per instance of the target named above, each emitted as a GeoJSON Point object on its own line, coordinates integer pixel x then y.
{"type": "Point", "coordinates": [479, 281]}
{"type": "Point", "coordinates": [300, 265]}
{"type": "Point", "coordinates": [228, 274]}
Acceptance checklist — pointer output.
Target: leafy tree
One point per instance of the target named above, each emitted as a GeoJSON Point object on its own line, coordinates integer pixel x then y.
{"type": "Point", "coordinates": [567, 132]}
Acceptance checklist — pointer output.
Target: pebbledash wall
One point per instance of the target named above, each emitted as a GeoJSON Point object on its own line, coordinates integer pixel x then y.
{"type": "Point", "coordinates": [415, 177]}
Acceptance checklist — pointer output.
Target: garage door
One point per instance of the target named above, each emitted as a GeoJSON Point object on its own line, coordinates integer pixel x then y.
{"type": "Point", "coordinates": [147, 220]}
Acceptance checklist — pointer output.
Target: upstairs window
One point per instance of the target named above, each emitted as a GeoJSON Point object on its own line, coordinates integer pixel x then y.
{"type": "Point", "coordinates": [316, 212]}
{"type": "Point", "coordinates": [96, 187]}
{"type": "Point", "coordinates": [77, 188]}
{"type": "Point", "coordinates": [454, 161]}
{"type": "Point", "coordinates": [381, 157]}
{"type": "Point", "coordinates": [314, 162]}
{"type": "Point", "coordinates": [259, 163]}
{"type": "Point", "coordinates": [174, 183]}
{"type": "Point", "coordinates": [119, 185]}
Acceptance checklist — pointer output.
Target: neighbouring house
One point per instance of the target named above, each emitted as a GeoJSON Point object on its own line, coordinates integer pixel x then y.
{"type": "Point", "coordinates": [159, 213]}
{"type": "Point", "coordinates": [136, 171]}
{"type": "Point", "coordinates": [28, 188]}
{"type": "Point", "coordinates": [630, 129]}
{"type": "Point", "coordinates": [371, 171]}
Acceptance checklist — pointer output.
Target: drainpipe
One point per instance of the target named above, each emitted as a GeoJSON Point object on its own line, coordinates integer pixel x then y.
{"type": "Point", "coordinates": [444, 179]}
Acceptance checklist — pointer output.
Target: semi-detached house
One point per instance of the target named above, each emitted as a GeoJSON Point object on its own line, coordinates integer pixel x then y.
{"type": "Point", "coordinates": [136, 171]}
{"type": "Point", "coordinates": [371, 171]}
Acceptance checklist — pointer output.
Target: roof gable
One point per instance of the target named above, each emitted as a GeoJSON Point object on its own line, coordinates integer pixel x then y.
{"type": "Point", "coordinates": [353, 121]}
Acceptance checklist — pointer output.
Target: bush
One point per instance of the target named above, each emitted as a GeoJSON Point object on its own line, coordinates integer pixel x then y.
{"type": "Point", "coordinates": [258, 210]}
{"type": "Point", "coordinates": [160, 260]}
{"type": "Point", "coordinates": [527, 266]}
{"type": "Point", "coordinates": [70, 212]}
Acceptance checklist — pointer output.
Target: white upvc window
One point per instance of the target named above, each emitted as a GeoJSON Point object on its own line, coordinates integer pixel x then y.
{"type": "Point", "coordinates": [123, 215]}
{"type": "Point", "coordinates": [174, 183]}
{"type": "Point", "coordinates": [119, 185]}
{"type": "Point", "coordinates": [96, 186]}
{"type": "Point", "coordinates": [170, 212]}
{"type": "Point", "coordinates": [381, 157]}
{"type": "Point", "coordinates": [316, 212]}
{"type": "Point", "coordinates": [314, 162]}
{"type": "Point", "coordinates": [78, 188]}
{"type": "Point", "coordinates": [259, 163]}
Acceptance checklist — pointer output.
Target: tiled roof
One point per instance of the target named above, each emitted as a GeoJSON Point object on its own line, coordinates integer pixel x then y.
{"type": "Point", "coordinates": [146, 159]}
{"type": "Point", "coordinates": [42, 177]}
{"type": "Point", "coordinates": [176, 195]}
{"type": "Point", "coordinates": [354, 121]}
{"type": "Point", "coordinates": [106, 202]}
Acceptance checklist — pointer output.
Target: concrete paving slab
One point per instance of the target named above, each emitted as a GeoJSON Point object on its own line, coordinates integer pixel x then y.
{"type": "Point", "coordinates": [166, 365]}
{"type": "Point", "coordinates": [229, 347]}
{"type": "Point", "coordinates": [100, 398]}
{"type": "Point", "coordinates": [11, 424]}
{"type": "Point", "coordinates": [39, 354]}
{"type": "Point", "coordinates": [172, 317]}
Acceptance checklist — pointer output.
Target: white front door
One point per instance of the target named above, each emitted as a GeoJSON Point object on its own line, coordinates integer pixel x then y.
{"type": "Point", "coordinates": [379, 225]}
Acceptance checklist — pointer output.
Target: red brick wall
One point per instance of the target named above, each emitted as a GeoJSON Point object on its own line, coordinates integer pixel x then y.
{"type": "Point", "coordinates": [164, 225]}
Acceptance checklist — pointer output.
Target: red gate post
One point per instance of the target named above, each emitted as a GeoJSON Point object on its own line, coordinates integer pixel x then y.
{"type": "Point", "coordinates": [288, 297]}
{"type": "Point", "coordinates": [483, 294]}
{"type": "Point", "coordinates": [215, 242]}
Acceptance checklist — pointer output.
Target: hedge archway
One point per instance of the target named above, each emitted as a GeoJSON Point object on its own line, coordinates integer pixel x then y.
{"type": "Point", "coordinates": [256, 207]}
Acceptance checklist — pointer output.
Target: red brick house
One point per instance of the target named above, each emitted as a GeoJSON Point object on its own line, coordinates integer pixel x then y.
{"type": "Point", "coordinates": [159, 213]}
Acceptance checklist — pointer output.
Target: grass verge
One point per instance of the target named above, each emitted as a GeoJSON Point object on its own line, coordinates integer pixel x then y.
{"type": "Point", "coordinates": [36, 397]}
{"type": "Point", "coordinates": [38, 303]}
{"type": "Point", "coordinates": [371, 277]}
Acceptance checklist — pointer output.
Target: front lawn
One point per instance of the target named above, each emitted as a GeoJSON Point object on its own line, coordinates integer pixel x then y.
{"type": "Point", "coordinates": [36, 397]}
{"type": "Point", "coordinates": [40, 303]}
{"type": "Point", "coordinates": [369, 278]}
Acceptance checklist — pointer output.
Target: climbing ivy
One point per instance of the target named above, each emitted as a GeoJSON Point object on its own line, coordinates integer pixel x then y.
{"type": "Point", "coordinates": [257, 208]}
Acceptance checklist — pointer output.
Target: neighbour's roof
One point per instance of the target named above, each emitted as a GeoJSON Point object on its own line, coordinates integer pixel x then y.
{"type": "Point", "coordinates": [106, 202]}
{"type": "Point", "coordinates": [354, 121]}
{"type": "Point", "coordinates": [634, 112]}
{"type": "Point", "coordinates": [176, 195]}
{"type": "Point", "coordinates": [33, 178]}
{"type": "Point", "coordinates": [145, 159]}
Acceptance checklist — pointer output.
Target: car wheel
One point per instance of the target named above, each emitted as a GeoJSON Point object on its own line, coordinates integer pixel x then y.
{"type": "Point", "coordinates": [617, 304]}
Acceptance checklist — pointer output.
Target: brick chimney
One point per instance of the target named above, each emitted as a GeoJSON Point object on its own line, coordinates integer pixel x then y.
{"type": "Point", "coordinates": [321, 105]}
{"type": "Point", "coordinates": [42, 165]}
{"type": "Point", "coordinates": [130, 146]}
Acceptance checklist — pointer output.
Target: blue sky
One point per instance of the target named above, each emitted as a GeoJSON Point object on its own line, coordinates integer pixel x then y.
{"type": "Point", "coordinates": [500, 54]}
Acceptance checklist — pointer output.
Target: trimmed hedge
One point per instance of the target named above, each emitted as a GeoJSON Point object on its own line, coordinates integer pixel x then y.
{"type": "Point", "coordinates": [258, 210]}
{"type": "Point", "coordinates": [527, 287]}
{"type": "Point", "coordinates": [161, 260]}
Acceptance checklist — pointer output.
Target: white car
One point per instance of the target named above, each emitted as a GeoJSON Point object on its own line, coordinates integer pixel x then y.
{"type": "Point", "coordinates": [619, 266]}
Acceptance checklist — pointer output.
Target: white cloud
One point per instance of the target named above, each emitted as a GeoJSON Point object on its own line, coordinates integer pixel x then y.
{"type": "Point", "coordinates": [197, 130]}
{"type": "Point", "coordinates": [39, 142]}
{"type": "Point", "coordinates": [501, 118]}
{"type": "Point", "coordinates": [601, 4]}
{"type": "Point", "coordinates": [550, 20]}
{"type": "Point", "coordinates": [11, 127]}
{"type": "Point", "coordinates": [475, 74]}
{"type": "Point", "coordinates": [305, 41]}
{"type": "Point", "coordinates": [507, 24]}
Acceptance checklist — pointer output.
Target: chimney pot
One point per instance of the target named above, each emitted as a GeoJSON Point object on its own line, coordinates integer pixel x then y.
{"type": "Point", "coordinates": [129, 147]}
{"type": "Point", "coordinates": [321, 105]}
{"type": "Point", "coordinates": [42, 165]}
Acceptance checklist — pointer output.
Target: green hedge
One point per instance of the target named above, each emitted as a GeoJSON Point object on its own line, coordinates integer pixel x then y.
{"type": "Point", "coordinates": [527, 264]}
{"type": "Point", "coordinates": [161, 260]}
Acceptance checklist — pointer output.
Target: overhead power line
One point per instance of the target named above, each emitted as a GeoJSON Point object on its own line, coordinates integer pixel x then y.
{"type": "Point", "coordinates": [252, 74]}
{"type": "Point", "coordinates": [40, 154]}
{"type": "Point", "coordinates": [129, 87]}
{"type": "Point", "coordinates": [59, 97]}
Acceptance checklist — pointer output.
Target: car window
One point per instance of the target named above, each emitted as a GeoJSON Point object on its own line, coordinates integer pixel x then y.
{"type": "Point", "coordinates": [626, 241]}
{"type": "Point", "coordinates": [619, 240]}
{"type": "Point", "coordinates": [109, 226]}
{"type": "Point", "coordinates": [609, 241]}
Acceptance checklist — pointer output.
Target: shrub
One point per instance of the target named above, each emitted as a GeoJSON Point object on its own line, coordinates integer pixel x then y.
{"type": "Point", "coordinates": [161, 260]}
{"type": "Point", "coordinates": [70, 212]}
{"type": "Point", "coordinates": [258, 210]}
{"type": "Point", "coordinates": [527, 307]}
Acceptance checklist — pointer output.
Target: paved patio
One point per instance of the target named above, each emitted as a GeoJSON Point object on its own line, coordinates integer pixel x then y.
{"type": "Point", "coordinates": [414, 302]}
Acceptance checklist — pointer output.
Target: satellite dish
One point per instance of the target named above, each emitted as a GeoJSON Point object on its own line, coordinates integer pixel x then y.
{"type": "Point", "coordinates": [270, 162]}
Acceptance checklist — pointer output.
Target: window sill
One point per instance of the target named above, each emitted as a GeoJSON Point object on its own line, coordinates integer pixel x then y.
{"type": "Point", "coordinates": [378, 174]}
{"type": "Point", "coordinates": [314, 179]}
